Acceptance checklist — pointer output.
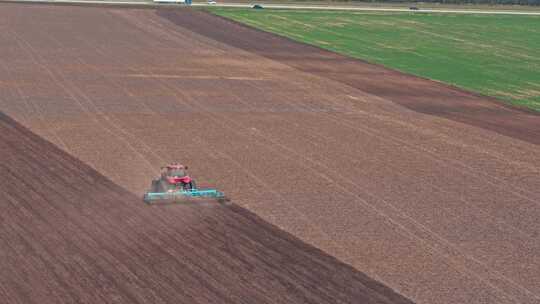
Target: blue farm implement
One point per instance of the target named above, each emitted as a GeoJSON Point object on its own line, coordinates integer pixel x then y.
{"type": "Point", "coordinates": [174, 185]}
{"type": "Point", "coordinates": [184, 195]}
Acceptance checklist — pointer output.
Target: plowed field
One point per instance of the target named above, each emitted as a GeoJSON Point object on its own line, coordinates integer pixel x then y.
{"type": "Point", "coordinates": [433, 191]}
{"type": "Point", "coordinates": [69, 235]}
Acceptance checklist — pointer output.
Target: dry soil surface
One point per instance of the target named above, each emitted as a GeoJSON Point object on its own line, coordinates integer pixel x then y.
{"type": "Point", "coordinates": [442, 208]}
{"type": "Point", "coordinates": [70, 235]}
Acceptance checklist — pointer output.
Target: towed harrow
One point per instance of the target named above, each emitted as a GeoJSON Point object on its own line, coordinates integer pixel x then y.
{"type": "Point", "coordinates": [175, 186]}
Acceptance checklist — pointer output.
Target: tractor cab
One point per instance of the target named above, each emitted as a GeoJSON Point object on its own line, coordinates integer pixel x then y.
{"type": "Point", "coordinates": [176, 174]}
{"type": "Point", "coordinates": [174, 185]}
{"type": "Point", "coordinates": [175, 170]}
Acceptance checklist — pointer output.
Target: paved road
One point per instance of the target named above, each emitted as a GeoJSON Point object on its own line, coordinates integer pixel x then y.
{"type": "Point", "coordinates": [293, 6]}
{"type": "Point", "coordinates": [373, 9]}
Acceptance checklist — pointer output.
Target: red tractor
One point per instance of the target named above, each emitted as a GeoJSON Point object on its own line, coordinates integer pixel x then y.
{"type": "Point", "coordinates": [175, 185]}
{"type": "Point", "coordinates": [173, 178]}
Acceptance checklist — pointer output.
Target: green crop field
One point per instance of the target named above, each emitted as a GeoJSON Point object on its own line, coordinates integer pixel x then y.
{"type": "Point", "coordinates": [496, 55]}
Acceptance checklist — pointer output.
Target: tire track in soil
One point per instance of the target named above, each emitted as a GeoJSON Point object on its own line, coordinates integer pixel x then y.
{"type": "Point", "coordinates": [495, 276]}
{"type": "Point", "coordinates": [72, 236]}
{"type": "Point", "coordinates": [237, 133]}
{"type": "Point", "coordinates": [415, 93]}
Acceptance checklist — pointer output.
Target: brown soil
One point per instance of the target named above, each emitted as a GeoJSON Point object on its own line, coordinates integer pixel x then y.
{"type": "Point", "coordinates": [70, 235]}
{"type": "Point", "coordinates": [439, 210]}
{"type": "Point", "coordinates": [415, 93]}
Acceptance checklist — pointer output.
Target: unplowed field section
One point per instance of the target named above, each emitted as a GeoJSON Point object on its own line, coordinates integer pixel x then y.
{"type": "Point", "coordinates": [440, 210]}
{"type": "Point", "coordinates": [69, 235]}
{"type": "Point", "coordinates": [415, 93]}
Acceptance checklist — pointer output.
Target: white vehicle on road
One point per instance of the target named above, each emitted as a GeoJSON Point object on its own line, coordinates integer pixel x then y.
{"type": "Point", "coordinates": [212, 2]}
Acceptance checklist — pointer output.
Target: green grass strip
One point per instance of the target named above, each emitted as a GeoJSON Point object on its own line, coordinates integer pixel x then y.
{"type": "Point", "coordinates": [496, 55]}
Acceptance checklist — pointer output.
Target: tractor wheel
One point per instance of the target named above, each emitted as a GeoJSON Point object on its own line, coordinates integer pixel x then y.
{"type": "Point", "coordinates": [162, 186]}
{"type": "Point", "coordinates": [189, 186]}
{"type": "Point", "coordinates": [155, 185]}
